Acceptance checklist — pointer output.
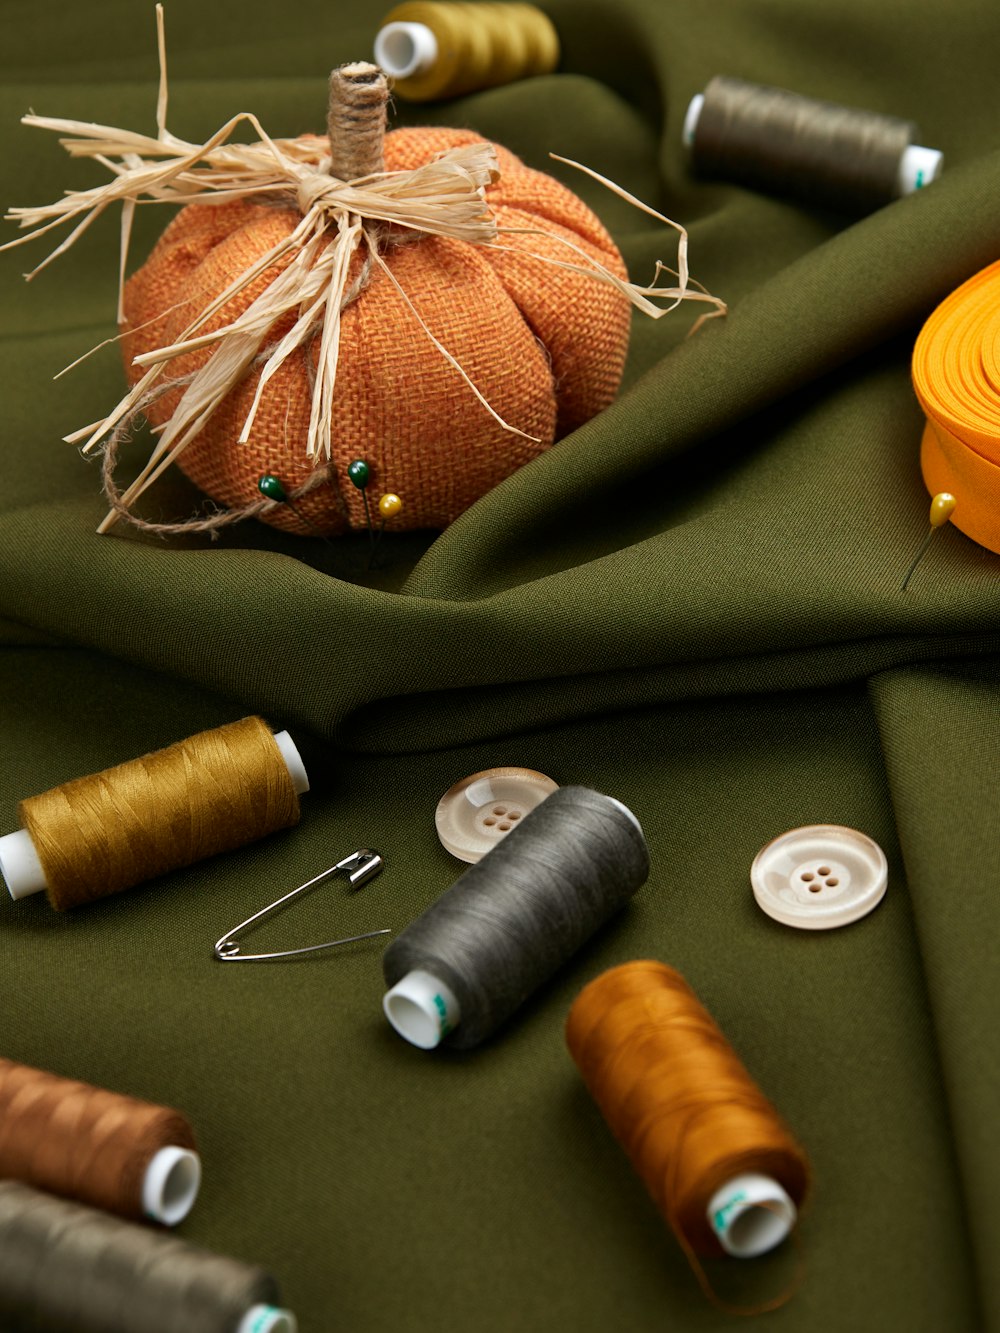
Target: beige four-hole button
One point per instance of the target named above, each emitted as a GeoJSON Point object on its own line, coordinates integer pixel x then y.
{"type": "Point", "coordinates": [819, 877]}
{"type": "Point", "coordinates": [475, 814]}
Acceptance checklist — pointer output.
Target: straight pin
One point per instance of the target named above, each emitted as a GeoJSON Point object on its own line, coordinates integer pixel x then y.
{"type": "Point", "coordinates": [272, 488]}
{"type": "Point", "coordinates": [942, 508]}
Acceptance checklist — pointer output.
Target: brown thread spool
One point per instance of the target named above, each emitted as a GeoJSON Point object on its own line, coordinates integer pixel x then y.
{"type": "Point", "coordinates": [211, 793]}
{"type": "Point", "coordinates": [697, 1129]}
{"type": "Point", "coordinates": [433, 50]}
{"type": "Point", "coordinates": [847, 159]}
{"type": "Point", "coordinates": [102, 1148]}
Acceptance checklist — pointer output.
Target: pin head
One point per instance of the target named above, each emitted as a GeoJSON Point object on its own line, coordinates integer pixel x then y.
{"type": "Point", "coordinates": [358, 473]}
{"type": "Point", "coordinates": [942, 508]}
{"type": "Point", "coordinates": [390, 505]}
{"type": "Point", "coordinates": [271, 488]}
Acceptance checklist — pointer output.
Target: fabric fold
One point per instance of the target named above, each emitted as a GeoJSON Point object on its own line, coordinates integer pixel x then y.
{"type": "Point", "coordinates": [940, 735]}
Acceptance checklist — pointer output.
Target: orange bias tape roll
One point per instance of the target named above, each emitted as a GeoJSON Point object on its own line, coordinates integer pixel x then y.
{"type": "Point", "coordinates": [676, 1096]}
{"type": "Point", "coordinates": [956, 375]}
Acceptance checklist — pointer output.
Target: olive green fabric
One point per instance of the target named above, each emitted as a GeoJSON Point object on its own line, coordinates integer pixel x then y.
{"type": "Point", "coordinates": [693, 604]}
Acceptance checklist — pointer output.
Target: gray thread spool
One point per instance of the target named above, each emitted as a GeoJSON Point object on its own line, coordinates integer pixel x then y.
{"type": "Point", "coordinates": [464, 966]}
{"type": "Point", "coordinates": [65, 1268]}
{"type": "Point", "coordinates": [851, 160]}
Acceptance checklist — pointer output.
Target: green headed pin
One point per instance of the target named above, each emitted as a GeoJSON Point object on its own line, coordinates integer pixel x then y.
{"type": "Point", "coordinates": [359, 474]}
{"type": "Point", "coordinates": [272, 488]}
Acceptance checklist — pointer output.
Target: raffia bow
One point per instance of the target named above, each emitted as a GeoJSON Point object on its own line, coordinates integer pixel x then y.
{"type": "Point", "coordinates": [348, 204]}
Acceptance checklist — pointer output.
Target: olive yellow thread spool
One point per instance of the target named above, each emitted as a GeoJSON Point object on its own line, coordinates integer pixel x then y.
{"type": "Point", "coordinates": [722, 1167]}
{"type": "Point", "coordinates": [211, 793]}
{"type": "Point", "coordinates": [435, 50]}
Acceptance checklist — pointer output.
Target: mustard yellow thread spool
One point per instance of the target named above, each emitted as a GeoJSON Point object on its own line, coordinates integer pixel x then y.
{"type": "Point", "coordinates": [95, 835]}
{"type": "Point", "coordinates": [436, 50]}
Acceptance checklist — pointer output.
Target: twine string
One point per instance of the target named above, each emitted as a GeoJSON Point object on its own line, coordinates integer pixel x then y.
{"type": "Point", "coordinates": [356, 120]}
{"type": "Point", "coordinates": [212, 523]}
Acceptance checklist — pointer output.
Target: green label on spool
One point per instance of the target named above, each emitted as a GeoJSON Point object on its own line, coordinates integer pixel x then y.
{"type": "Point", "coordinates": [263, 1319]}
{"type": "Point", "coordinates": [723, 1212]}
{"type": "Point", "coordinates": [442, 1009]}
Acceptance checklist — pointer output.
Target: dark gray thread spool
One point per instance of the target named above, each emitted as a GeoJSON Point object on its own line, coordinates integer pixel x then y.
{"type": "Point", "coordinates": [513, 919]}
{"type": "Point", "coordinates": [65, 1268]}
{"type": "Point", "coordinates": [850, 160]}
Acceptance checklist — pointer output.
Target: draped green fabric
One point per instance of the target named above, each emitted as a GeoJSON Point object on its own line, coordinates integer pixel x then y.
{"type": "Point", "coordinates": [693, 603]}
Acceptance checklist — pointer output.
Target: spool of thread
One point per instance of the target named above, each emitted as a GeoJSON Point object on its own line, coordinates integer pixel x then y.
{"type": "Point", "coordinates": [512, 919]}
{"type": "Point", "coordinates": [713, 1152]}
{"type": "Point", "coordinates": [956, 376]}
{"type": "Point", "coordinates": [836, 156]}
{"type": "Point", "coordinates": [70, 1269]}
{"type": "Point", "coordinates": [102, 1148]}
{"type": "Point", "coordinates": [94, 836]}
{"type": "Point", "coordinates": [435, 50]}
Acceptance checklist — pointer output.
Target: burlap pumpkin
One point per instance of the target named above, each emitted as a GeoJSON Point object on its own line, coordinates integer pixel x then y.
{"type": "Point", "coordinates": [545, 346]}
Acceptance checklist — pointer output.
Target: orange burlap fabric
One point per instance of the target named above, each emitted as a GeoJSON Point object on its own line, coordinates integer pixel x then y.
{"type": "Point", "coordinates": [546, 348]}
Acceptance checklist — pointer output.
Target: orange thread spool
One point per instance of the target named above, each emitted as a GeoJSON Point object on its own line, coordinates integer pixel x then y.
{"type": "Point", "coordinates": [680, 1102]}
{"type": "Point", "coordinates": [95, 1146]}
{"type": "Point", "coordinates": [956, 376]}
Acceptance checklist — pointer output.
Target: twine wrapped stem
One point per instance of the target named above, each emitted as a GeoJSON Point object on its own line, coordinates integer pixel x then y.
{"type": "Point", "coordinates": [356, 120]}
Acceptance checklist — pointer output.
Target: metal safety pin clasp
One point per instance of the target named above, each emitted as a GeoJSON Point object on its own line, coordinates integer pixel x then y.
{"type": "Point", "coordinates": [359, 867]}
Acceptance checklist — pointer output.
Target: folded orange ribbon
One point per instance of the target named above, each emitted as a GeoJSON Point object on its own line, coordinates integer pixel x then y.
{"type": "Point", "coordinates": [956, 375]}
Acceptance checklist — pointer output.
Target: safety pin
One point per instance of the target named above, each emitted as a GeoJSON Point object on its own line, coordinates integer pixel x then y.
{"type": "Point", "coordinates": [360, 867]}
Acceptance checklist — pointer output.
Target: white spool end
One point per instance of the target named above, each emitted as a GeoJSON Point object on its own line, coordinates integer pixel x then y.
{"type": "Point", "coordinates": [405, 49]}
{"type": "Point", "coordinates": [293, 762]}
{"type": "Point", "coordinates": [917, 168]}
{"type": "Point", "coordinates": [20, 866]}
{"type": "Point", "coordinates": [626, 811]}
{"type": "Point", "coordinates": [751, 1214]}
{"type": "Point", "coordinates": [170, 1185]}
{"type": "Point", "coordinates": [422, 1009]}
{"type": "Point", "coordinates": [267, 1319]}
{"type": "Point", "coordinates": [692, 118]}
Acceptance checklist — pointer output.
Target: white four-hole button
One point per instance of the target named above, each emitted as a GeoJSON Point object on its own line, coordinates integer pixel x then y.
{"type": "Point", "coordinates": [818, 877]}
{"type": "Point", "coordinates": [475, 814]}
